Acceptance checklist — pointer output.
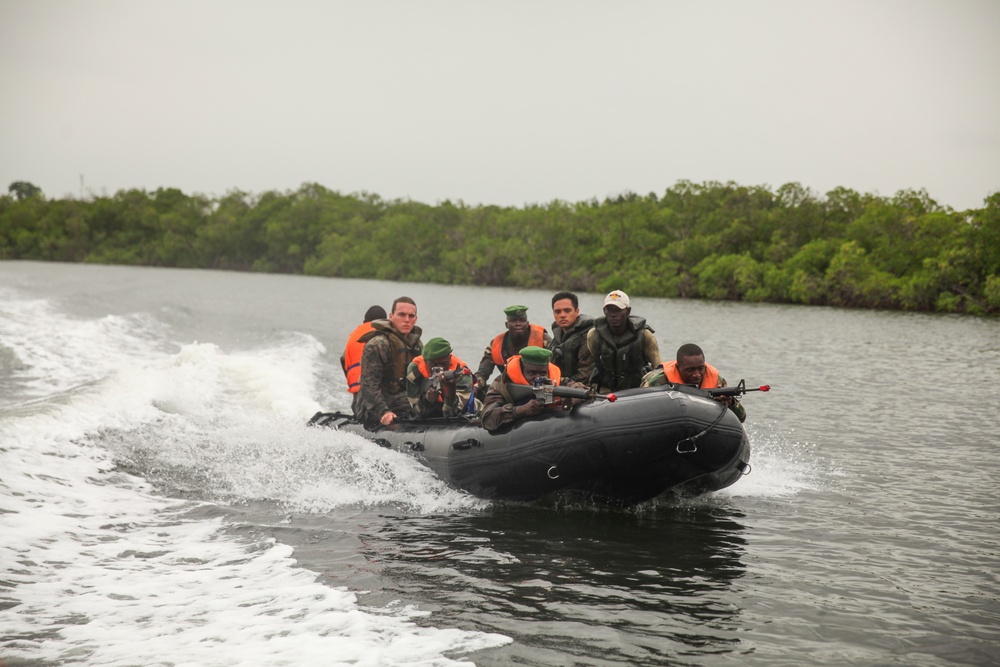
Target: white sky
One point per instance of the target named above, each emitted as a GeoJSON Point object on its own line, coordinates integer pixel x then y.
{"type": "Point", "coordinates": [507, 102]}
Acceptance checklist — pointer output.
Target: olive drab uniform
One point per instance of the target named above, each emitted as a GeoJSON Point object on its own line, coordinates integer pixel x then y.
{"type": "Point", "coordinates": [621, 361]}
{"type": "Point", "coordinates": [386, 356]}
{"type": "Point", "coordinates": [569, 351]}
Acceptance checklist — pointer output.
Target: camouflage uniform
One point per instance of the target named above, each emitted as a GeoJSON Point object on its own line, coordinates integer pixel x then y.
{"type": "Point", "coordinates": [452, 406]}
{"type": "Point", "coordinates": [386, 355]}
{"type": "Point", "coordinates": [657, 377]}
{"type": "Point", "coordinates": [498, 406]}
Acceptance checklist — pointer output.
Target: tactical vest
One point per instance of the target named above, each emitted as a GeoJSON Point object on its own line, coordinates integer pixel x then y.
{"type": "Point", "coordinates": [403, 351]}
{"type": "Point", "coordinates": [620, 365]}
{"type": "Point", "coordinates": [566, 345]}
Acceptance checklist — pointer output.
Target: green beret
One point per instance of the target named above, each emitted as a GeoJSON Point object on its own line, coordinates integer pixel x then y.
{"type": "Point", "coordinates": [516, 311]}
{"type": "Point", "coordinates": [538, 356]}
{"type": "Point", "coordinates": [436, 348]}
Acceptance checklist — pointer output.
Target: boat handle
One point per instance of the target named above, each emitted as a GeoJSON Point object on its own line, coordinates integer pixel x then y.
{"type": "Point", "coordinates": [467, 444]}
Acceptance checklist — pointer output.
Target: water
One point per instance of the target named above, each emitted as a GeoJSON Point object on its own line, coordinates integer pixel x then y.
{"type": "Point", "coordinates": [162, 503]}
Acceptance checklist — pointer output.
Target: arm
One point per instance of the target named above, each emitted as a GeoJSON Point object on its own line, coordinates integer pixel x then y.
{"type": "Point", "coordinates": [584, 361]}
{"type": "Point", "coordinates": [455, 401]}
{"type": "Point", "coordinates": [497, 411]}
{"type": "Point", "coordinates": [486, 368]}
{"type": "Point", "coordinates": [414, 389]}
{"type": "Point", "coordinates": [373, 363]}
{"type": "Point", "coordinates": [730, 401]}
{"type": "Point", "coordinates": [652, 349]}
{"type": "Point", "coordinates": [654, 378]}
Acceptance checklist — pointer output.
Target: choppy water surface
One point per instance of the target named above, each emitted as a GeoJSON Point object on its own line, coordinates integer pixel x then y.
{"type": "Point", "coordinates": [162, 503]}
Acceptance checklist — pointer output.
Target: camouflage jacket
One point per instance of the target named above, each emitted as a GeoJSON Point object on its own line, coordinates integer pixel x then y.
{"type": "Point", "coordinates": [386, 355]}
{"type": "Point", "coordinates": [451, 406]}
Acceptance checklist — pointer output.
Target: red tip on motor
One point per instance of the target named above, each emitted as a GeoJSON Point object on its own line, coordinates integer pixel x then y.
{"type": "Point", "coordinates": [612, 398]}
{"type": "Point", "coordinates": [765, 387]}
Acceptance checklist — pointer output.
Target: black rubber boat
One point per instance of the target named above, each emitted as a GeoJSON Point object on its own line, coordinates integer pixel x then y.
{"type": "Point", "coordinates": [645, 443]}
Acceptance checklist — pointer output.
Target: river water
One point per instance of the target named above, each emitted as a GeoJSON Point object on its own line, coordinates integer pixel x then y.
{"type": "Point", "coordinates": [162, 502]}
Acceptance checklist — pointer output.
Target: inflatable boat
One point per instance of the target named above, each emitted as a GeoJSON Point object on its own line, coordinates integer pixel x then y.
{"type": "Point", "coordinates": [639, 445]}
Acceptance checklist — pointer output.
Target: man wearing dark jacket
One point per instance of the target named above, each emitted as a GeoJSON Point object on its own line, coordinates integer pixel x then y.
{"type": "Point", "coordinates": [569, 333]}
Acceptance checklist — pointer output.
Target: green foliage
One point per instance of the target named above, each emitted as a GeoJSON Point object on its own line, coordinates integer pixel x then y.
{"type": "Point", "coordinates": [710, 240]}
{"type": "Point", "coordinates": [24, 190]}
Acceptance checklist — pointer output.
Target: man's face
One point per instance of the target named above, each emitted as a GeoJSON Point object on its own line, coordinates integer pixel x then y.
{"type": "Point", "coordinates": [534, 372]}
{"type": "Point", "coordinates": [692, 369]}
{"type": "Point", "coordinates": [517, 325]}
{"type": "Point", "coordinates": [616, 316]}
{"type": "Point", "coordinates": [404, 317]}
{"type": "Point", "coordinates": [564, 313]}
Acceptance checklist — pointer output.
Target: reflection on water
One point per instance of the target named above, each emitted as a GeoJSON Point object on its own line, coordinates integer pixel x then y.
{"type": "Point", "coordinates": [635, 588]}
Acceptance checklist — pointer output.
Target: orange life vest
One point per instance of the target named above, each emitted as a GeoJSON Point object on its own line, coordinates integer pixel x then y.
{"type": "Point", "coordinates": [425, 370]}
{"type": "Point", "coordinates": [710, 380]}
{"type": "Point", "coordinates": [536, 337]}
{"type": "Point", "coordinates": [516, 375]}
{"type": "Point", "coordinates": [352, 357]}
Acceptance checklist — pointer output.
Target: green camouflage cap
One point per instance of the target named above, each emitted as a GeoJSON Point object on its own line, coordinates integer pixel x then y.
{"type": "Point", "coordinates": [516, 311]}
{"type": "Point", "coordinates": [538, 356]}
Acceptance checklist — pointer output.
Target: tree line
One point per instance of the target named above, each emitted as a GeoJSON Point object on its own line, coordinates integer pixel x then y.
{"type": "Point", "coordinates": [711, 240]}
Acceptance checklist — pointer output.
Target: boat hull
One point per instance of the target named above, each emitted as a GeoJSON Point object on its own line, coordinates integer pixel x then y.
{"type": "Point", "coordinates": [646, 443]}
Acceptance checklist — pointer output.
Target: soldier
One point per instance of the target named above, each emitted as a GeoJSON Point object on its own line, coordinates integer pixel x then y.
{"type": "Point", "coordinates": [529, 367]}
{"type": "Point", "coordinates": [569, 333]}
{"type": "Point", "coordinates": [350, 360]}
{"type": "Point", "coordinates": [520, 333]}
{"type": "Point", "coordinates": [388, 351]}
{"type": "Point", "coordinates": [622, 346]}
{"type": "Point", "coordinates": [690, 368]}
{"type": "Point", "coordinates": [448, 393]}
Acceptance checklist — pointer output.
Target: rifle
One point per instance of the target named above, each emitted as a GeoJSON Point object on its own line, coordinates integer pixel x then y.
{"type": "Point", "coordinates": [438, 374]}
{"type": "Point", "coordinates": [548, 391]}
{"type": "Point", "coordinates": [738, 390]}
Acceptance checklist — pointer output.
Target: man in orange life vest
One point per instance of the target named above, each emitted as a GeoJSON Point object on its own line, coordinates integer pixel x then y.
{"type": "Point", "coordinates": [690, 368]}
{"type": "Point", "coordinates": [389, 348]}
{"type": "Point", "coordinates": [529, 367]}
{"type": "Point", "coordinates": [350, 360]}
{"type": "Point", "coordinates": [520, 333]}
{"type": "Point", "coordinates": [446, 395]}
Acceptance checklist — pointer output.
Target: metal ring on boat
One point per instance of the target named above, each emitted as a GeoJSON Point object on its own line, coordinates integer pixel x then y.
{"type": "Point", "coordinates": [694, 446]}
{"type": "Point", "coordinates": [552, 473]}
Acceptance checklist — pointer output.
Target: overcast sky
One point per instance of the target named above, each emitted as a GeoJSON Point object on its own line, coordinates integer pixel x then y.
{"type": "Point", "coordinates": [507, 102]}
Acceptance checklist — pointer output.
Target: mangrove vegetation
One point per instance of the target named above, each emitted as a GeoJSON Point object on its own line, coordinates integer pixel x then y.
{"type": "Point", "coordinates": [703, 241]}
